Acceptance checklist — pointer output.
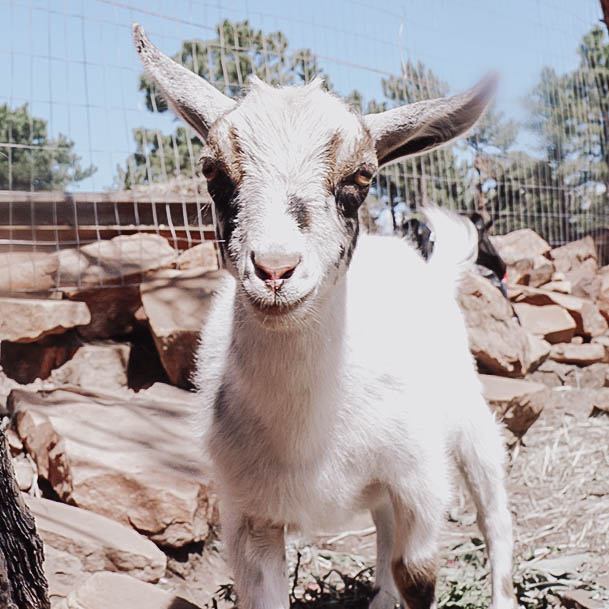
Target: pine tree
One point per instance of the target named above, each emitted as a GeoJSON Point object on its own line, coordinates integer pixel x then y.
{"type": "Point", "coordinates": [33, 161]}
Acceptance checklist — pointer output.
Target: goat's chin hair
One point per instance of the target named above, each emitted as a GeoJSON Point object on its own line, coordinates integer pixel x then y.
{"type": "Point", "coordinates": [302, 318]}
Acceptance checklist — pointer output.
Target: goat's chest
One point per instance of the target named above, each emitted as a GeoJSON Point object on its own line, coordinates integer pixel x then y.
{"type": "Point", "coordinates": [305, 465]}
{"type": "Point", "coordinates": [308, 458]}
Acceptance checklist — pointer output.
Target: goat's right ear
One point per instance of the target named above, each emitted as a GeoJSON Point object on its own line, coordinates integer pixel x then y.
{"type": "Point", "coordinates": [193, 98]}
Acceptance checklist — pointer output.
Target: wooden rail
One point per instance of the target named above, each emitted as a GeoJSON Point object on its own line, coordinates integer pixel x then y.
{"type": "Point", "coordinates": [45, 221]}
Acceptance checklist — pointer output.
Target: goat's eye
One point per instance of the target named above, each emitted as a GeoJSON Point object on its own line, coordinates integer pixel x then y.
{"type": "Point", "coordinates": [363, 178]}
{"type": "Point", "coordinates": [209, 168]}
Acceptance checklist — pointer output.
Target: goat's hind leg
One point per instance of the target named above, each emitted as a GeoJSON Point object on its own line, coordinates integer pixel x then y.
{"type": "Point", "coordinates": [480, 454]}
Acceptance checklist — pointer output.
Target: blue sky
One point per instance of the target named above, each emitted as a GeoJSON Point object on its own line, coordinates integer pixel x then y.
{"type": "Point", "coordinates": [73, 62]}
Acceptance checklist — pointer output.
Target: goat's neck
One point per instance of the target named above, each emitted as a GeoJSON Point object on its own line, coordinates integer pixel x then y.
{"type": "Point", "coordinates": [291, 372]}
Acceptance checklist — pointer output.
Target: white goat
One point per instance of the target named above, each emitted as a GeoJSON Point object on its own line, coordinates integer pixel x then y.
{"type": "Point", "coordinates": [335, 378]}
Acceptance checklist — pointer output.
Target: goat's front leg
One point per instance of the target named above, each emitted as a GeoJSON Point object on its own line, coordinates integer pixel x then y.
{"type": "Point", "coordinates": [419, 501]}
{"type": "Point", "coordinates": [256, 553]}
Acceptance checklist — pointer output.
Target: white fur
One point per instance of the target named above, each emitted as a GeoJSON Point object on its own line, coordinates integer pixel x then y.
{"type": "Point", "coordinates": [348, 384]}
{"type": "Point", "coordinates": [378, 396]}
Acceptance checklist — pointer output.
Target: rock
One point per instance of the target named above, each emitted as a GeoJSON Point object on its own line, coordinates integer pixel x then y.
{"type": "Point", "coordinates": [524, 253]}
{"type": "Point", "coordinates": [101, 366]}
{"type": "Point", "coordinates": [555, 374]}
{"type": "Point", "coordinates": [519, 273]}
{"type": "Point", "coordinates": [202, 256]}
{"type": "Point", "coordinates": [577, 403]}
{"type": "Point", "coordinates": [580, 355]}
{"type": "Point", "coordinates": [562, 287]}
{"type": "Point", "coordinates": [594, 376]}
{"type": "Point", "coordinates": [518, 403]}
{"type": "Point", "coordinates": [588, 318]}
{"type": "Point", "coordinates": [201, 576]}
{"type": "Point", "coordinates": [101, 544]}
{"type": "Point", "coordinates": [27, 271]}
{"type": "Point", "coordinates": [42, 442]}
{"type": "Point", "coordinates": [541, 271]}
{"type": "Point", "coordinates": [573, 254]}
{"type": "Point", "coordinates": [603, 340]}
{"type": "Point", "coordinates": [558, 566]}
{"type": "Point", "coordinates": [578, 261]}
{"type": "Point", "coordinates": [63, 572]}
{"type": "Point", "coordinates": [112, 311]}
{"type": "Point", "coordinates": [530, 271]}
{"type": "Point", "coordinates": [550, 322]}
{"type": "Point", "coordinates": [550, 374]}
{"type": "Point", "coordinates": [117, 591]}
{"type": "Point", "coordinates": [537, 352]}
{"type": "Point", "coordinates": [585, 281]}
{"type": "Point", "coordinates": [600, 403]}
{"type": "Point", "coordinates": [520, 244]}
{"type": "Point", "coordinates": [134, 459]}
{"type": "Point", "coordinates": [603, 293]}
{"type": "Point", "coordinates": [121, 260]}
{"type": "Point", "coordinates": [26, 362]}
{"type": "Point", "coordinates": [497, 341]}
{"type": "Point", "coordinates": [176, 304]}
{"type": "Point", "coordinates": [25, 472]}
{"type": "Point", "coordinates": [14, 442]}
{"type": "Point", "coordinates": [26, 320]}
{"type": "Point", "coordinates": [580, 599]}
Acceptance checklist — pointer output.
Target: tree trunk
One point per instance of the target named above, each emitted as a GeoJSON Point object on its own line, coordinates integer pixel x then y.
{"type": "Point", "coordinates": [605, 7]}
{"type": "Point", "coordinates": [22, 581]}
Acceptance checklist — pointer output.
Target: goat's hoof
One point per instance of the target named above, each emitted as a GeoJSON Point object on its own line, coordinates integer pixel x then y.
{"type": "Point", "coordinates": [507, 603]}
{"type": "Point", "coordinates": [383, 600]}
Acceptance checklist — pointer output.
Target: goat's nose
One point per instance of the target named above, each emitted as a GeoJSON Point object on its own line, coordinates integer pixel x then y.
{"type": "Point", "coordinates": [275, 268]}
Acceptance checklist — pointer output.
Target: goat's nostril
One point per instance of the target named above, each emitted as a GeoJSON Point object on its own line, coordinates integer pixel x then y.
{"type": "Point", "coordinates": [275, 269]}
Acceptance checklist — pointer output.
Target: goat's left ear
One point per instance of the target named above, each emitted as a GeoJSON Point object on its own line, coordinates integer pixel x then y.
{"type": "Point", "coordinates": [422, 126]}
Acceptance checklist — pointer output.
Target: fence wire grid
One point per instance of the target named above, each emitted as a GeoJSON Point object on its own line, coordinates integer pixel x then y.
{"type": "Point", "coordinates": [99, 183]}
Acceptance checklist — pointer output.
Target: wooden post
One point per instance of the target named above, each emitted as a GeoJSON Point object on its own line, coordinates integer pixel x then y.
{"type": "Point", "coordinates": [605, 8]}
{"type": "Point", "coordinates": [22, 581]}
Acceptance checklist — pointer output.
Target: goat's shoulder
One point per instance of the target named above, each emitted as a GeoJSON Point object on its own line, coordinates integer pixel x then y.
{"type": "Point", "coordinates": [216, 337]}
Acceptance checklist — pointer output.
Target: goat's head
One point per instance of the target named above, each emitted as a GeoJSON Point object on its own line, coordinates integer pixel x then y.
{"type": "Point", "coordinates": [288, 169]}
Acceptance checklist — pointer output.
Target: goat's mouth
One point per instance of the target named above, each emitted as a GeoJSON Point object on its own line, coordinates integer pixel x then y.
{"type": "Point", "coordinates": [278, 307]}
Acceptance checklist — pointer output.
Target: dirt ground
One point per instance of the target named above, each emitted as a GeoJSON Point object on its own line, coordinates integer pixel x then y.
{"type": "Point", "coordinates": [559, 492]}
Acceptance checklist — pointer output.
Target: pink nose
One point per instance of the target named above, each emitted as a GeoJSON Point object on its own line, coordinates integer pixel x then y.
{"type": "Point", "coordinates": [275, 268]}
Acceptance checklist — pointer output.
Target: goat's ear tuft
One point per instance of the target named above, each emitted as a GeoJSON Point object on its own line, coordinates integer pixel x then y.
{"type": "Point", "coordinates": [425, 125]}
{"type": "Point", "coordinates": [192, 97]}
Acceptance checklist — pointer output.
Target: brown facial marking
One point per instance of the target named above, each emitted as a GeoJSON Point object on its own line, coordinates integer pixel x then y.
{"type": "Point", "coordinates": [416, 584]}
{"type": "Point", "coordinates": [362, 155]}
{"type": "Point", "coordinates": [330, 154]}
{"type": "Point", "coordinates": [237, 153]}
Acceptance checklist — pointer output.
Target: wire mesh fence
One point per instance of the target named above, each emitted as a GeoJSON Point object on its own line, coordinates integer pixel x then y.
{"type": "Point", "coordinates": [94, 169]}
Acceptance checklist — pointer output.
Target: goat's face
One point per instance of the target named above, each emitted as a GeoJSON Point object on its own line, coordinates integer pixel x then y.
{"type": "Point", "coordinates": [288, 170]}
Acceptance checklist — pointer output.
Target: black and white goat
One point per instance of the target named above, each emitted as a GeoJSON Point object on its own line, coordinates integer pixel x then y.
{"type": "Point", "coordinates": [335, 373]}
